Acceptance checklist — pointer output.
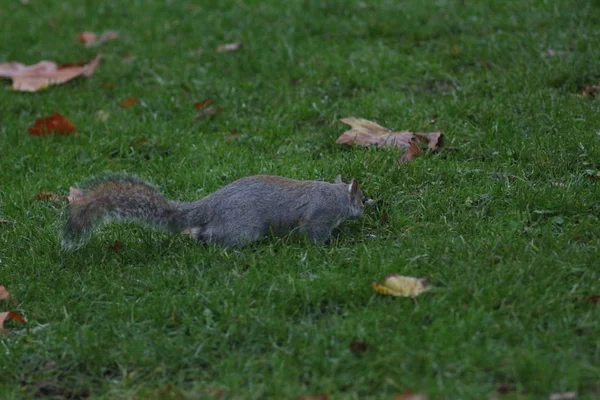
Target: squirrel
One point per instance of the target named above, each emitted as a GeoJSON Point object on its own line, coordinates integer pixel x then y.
{"type": "Point", "coordinates": [239, 213]}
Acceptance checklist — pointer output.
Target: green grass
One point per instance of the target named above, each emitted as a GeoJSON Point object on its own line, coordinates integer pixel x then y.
{"type": "Point", "coordinates": [506, 227]}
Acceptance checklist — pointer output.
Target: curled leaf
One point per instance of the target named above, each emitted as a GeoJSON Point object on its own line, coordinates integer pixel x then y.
{"type": "Point", "coordinates": [55, 124]}
{"type": "Point", "coordinates": [367, 133]}
{"type": "Point", "coordinates": [208, 112]}
{"type": "Point", "coordinates": [31, 78]}
{"type": "Point", "coordinates": [7, 316]}
{"type": "Point", "coordinates": [402, 286]}
{"type": "Point", "coordinates": [203, 103]}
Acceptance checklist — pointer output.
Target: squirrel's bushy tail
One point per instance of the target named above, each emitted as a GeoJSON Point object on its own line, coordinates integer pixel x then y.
{"type": "Point", "coordinates": [120, 198]}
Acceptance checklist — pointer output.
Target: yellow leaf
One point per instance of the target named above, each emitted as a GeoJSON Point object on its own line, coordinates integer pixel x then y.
{"type": "Point", "coordinates": [402, 286]}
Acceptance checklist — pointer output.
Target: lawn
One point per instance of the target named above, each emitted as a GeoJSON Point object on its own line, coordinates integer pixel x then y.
{"type": "Point", "coordinates": [505, 224]}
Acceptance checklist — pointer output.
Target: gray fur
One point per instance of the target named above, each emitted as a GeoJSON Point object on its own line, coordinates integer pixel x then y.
{"type": "Point", "coordinates": [242, 212]}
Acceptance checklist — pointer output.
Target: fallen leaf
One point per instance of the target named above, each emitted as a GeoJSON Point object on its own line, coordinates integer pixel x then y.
{"type": "Point", "coordinates": [4, 294]}
{"type": "Point", "coordinates": [563, 396]}
{"type": "Point", "coordinates": [505, 388]}
{"type": "Point", "coordinates": [358, 347]}
{"type": "Point", "coordinates": [7, 316]}
{"type": "Point", "coordinates": [116, 247]}
{"type": "Point", "coordinates": [232, 135]}
{"type": "Point", "coordinates": [594, 299]}
{"type": "Point", "coordinates": [91, 39]}
{"type": "Point", "coordinates": [409, 395]}
{"type": "Point", "coordinates": [384, 218]}
{"type": "Point", "coordinates": [128, 102]}
{"type": "Point", "coordinates": [52, 23]}
{"type": "Point", "coordinates": [591, 89]}
{"type": "Point", "coordinates": [87, 37]}
{"type": "Point", "coordinates": [315, 397]}
{"type": "Point", "coordinates": [228, 47]}
{"type": "Point", "coordinates": [412, 152]}
{"type": "Point", "coordinates": [367, 133]}
{"type": "Point", "coordinates": [201, 104]}
{"type": "Point", "coordinates": [49, 196]}
{"type": "Point", "coordinates": [45, 73]}
{"type": "Point", "coordinates": [4, 221]}
{"type": "Point", "coordinates": [402, 286]}
{"type": "Point", "coordinates": [55, 124]}
{"type": "Point", "coordinates": [108, 85]}
{"type": "Point", "coordinates": [208, 112]}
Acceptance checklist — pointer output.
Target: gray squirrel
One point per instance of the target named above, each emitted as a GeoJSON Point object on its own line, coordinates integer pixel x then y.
{"type": "Point", "coordinates": [239, 213]}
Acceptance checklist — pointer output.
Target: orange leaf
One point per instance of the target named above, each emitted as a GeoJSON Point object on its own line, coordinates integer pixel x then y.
{"type": "Point", "coordinates": [203, 103]}
{"type": "Point", "coordinates": [56, 124]}
{"type": "Point", "coordinates": [49, 196]}
{"type": "Point", "coordinates": [128, 102]}
{"type": "Point", "coordinates": [7, 316]}
{"type": "Point", "coordinates": [4, 294]}
{"type": "Point", "coordinates": [31, 78]}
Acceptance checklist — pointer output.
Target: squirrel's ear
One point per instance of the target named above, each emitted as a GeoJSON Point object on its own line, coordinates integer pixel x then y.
{"type": "Point", "coordinates": [338, 179]}
{"type": "Point", "coordinates": [353, 187]}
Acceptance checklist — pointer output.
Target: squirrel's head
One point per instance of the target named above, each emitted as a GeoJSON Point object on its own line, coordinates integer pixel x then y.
{"type": "Point", "coordinates": [357, 198]}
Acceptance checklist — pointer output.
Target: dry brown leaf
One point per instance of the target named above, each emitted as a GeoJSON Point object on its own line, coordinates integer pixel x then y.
{"type": "Point", "coordinates": [116, 247]}
{"type": "Point", "coordinates": [315, 397]}
{"type": "Point", "coordinates": [412, 152]}
{"type": "Point", "coordinates": [49, 196]}
{"type": "Point", "coordinates": [31, 78]}
{"type": "Point", "coordinates": [4, 294]}
{"type": "Point", "coordinates": [91, 39]}
{"type": "Point", "coordinates": [228, 47]}
{"type": "Point", "coordinates": [208, 112]}
{"type": "Point", "coordinates": [368, 133]}
{"type": "Point", "coordinates": [563, 396]}
{"type": "Point", "coordinates": [232, 135]}
{"type": "Point", "coordinates": [7, 316]}
{"type": "Point", "coordinates": [55, 124]}
{"type": "Point", "coordinates": [128, 102]}
{"type": "Point", "coordinates": [358, 346]}
{"type": "Point", "coordinates": [402, 286]}
{"type": "Point", "coordinates": [203, 103]}
{"type": "Point", "coordinates": [4, 221]}
{"type": "Point", "coordinates": [409, 395]}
